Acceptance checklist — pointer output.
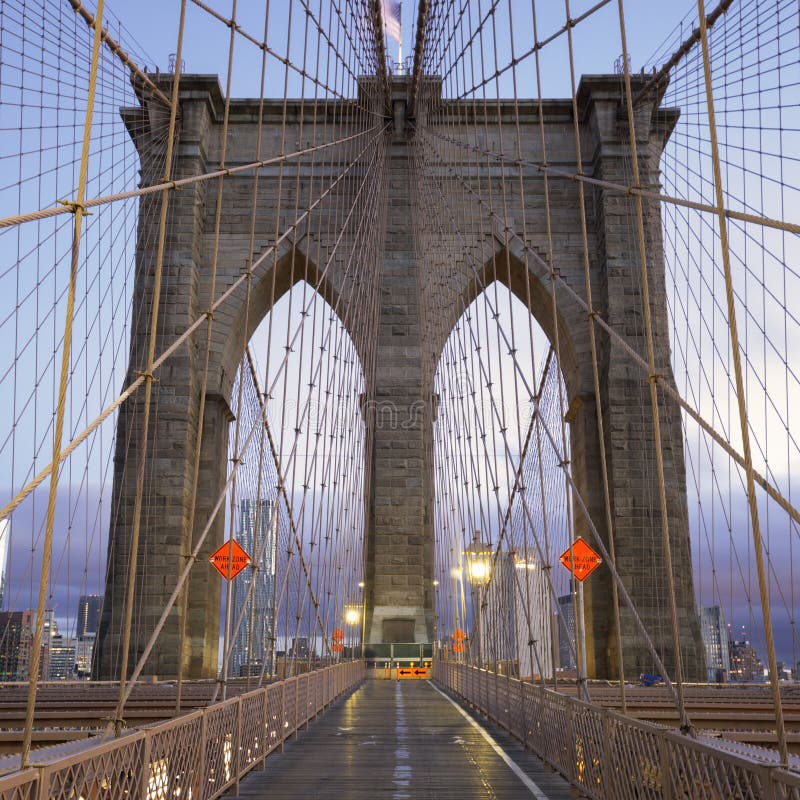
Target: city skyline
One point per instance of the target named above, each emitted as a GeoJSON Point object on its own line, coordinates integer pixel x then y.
{"type": "Point", "coordinates": [258, 527]}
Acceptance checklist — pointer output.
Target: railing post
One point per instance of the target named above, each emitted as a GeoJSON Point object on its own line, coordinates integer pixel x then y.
{"type": "Point", "coordinates": [573, 750]}
{"type": "Point", "coordinates": [296, 706]}
{"type": "Point", "coordinates": [237, 752]}
{"type": "Point", "coordinates": [283, 712]}
{"type": "Point", "coordinates": [608, 771]}
{"type": "Point", "coordinates": [43, 783]}
{"type": "Point", "coordinates": [262, 734]}
{"type": "Point", "coordinates": [666, 780]}
{"type": "Point", "coordinates": [496, 701]}
{"type": "Point", "coordinates": [769, 786]}
{"type": "Point", "coordinates": [523, 717]}
{"type": "Point", "coordinates": [201, 757]}
{"type": "Point", "coordinates": [144, 772]}
{"type": "Point", "coordinates": [306, 714]}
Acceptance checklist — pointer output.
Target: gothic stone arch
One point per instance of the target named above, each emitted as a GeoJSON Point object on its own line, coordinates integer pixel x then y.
{"type": "Point", "coordinates": [399, 520]}
{"type": "Point", "coordinates": [614, 275]}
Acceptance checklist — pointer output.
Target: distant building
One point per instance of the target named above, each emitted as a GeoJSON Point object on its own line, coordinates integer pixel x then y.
{"type": "Point", "coordinates": [84, 649]}
{"type": "Point", "coordinates": [784, 672]}
{"type": "Point", "coordinates": [16, 637]}
{"type": "Point", "coordinates": [49, 632]}
{"type": "Point", "coordinates": [716, 641]}
{"type": "Point", "coordinates": [300, 648]}
{"type": "Point", "coordinates": [61, 663]}
{"type": "Point", "coordinates": [566, 658]}
{"type": "Point", "coordinates": [258, 531]}
{"type": "Point", "coordinates": [88, 616]}
{"type": "Point", "coordinates": [517, 613]}
{"type": "Point", "coordinates": [745, 664]}
{"type": "Point", "coordinates": [253, 669]}
{"type": "Point", "coordinates": [5, 535]}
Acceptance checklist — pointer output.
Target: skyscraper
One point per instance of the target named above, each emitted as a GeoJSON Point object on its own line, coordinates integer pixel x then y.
{"type": "Point", "coordinates": [517, 612]}
{"type": "Point", "coordinates": [49, 633]}
{"type": "Point", "coordinates": [16, 638]}
{"type": "Point", "coordinates": [746, 666]}
{"type": "Point", "coordinates": [715, 639]}
{"type": "Point", "coordinates": [566, 658]}
{"type": "Point", "coordinates": [5, 533]}
{"type": "Point", "coordinates": [61, 666]}
{"type": "Point", "coordinates": [88, 616]}
{"type": "Point", "coordinates": [258, 532]}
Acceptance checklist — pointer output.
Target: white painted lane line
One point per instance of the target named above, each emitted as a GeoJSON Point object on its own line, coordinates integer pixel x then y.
{"type": "Point", "coordinates": [512, 765]}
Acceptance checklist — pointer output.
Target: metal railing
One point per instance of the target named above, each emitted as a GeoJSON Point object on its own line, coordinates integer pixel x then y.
{"type": "Point", "coordinates": [608, 755]}
{"type": "Point", "coordinates": [197, 756]}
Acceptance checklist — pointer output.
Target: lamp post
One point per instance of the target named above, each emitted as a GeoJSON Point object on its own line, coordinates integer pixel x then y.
{"type": "Point", "coordinates": [363, 606]}
{"type": "Point", "coordinates": [479, 572]}
{"type": "Point", "coordinates": [351, 614]}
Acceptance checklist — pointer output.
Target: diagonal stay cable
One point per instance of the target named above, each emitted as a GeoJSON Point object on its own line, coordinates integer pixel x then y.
{"type": "Point", "coordinates": [45, 213]}
{"type": "Point", "coordinates": [180, 340]}
{"type": "Point", "coordinates": [771, 490]}
{"type": "Point", "coordinates": [212, 516]}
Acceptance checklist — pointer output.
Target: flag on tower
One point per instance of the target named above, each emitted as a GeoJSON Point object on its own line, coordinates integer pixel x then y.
{"type": "Point", "coordinates": [391, 19]}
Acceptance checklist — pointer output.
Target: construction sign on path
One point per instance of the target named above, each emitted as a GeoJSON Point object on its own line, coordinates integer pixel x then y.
{"type": "Point", "coordinates": [413, 672]}
{"type": "Point", "coordinates": [230, 559]}
{"type": "Point", "coordinates": [580, 559]}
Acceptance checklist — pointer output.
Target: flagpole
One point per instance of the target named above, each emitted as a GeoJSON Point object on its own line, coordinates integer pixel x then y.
{"type": "Point", "coordinates": [400, 39]}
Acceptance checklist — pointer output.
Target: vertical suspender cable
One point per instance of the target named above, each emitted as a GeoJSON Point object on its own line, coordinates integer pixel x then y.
{"type": "Point", "coordinates": [766, 613]}
{"type": "Point", "coordinates": [148, 386]}
{"type": "Point", "coordinates": [653, 381]}
{"type": "Point", "coordinates": [78, 211]}
{"type": "Point", "coordinates": [601, 438]}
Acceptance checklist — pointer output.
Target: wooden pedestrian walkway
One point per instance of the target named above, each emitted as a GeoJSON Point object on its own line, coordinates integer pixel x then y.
{"type": "Point", "coordinates": [402, 740]}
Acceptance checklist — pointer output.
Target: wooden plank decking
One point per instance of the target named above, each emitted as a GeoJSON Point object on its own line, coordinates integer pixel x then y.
{"type": "Point", "coordinates": [401, 740]}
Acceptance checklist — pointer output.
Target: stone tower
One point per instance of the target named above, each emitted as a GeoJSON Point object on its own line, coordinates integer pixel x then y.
{"type": "Point", "coordinates": [399, 533]}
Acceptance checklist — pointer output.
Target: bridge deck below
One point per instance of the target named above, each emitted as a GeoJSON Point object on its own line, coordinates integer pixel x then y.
{"type": "Point", "coordinates": [401, 740]}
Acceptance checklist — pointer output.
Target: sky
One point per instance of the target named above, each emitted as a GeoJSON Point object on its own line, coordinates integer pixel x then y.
{"type": "Point", "coordinates": [597, 47]}
{"type": "Point", "coordinates": [597, 44]}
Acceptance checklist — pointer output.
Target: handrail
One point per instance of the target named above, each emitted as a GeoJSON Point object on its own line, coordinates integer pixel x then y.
{"type": "Point", "coordinates": [608, 755]}
{"type": "Point", "coordinates": [201, 754]}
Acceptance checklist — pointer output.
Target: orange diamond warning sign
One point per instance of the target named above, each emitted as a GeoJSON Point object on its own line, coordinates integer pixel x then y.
{"type": "Point", "coordinates": [230, 559]}
{"type": "Point", "coordinates": [580, 559]}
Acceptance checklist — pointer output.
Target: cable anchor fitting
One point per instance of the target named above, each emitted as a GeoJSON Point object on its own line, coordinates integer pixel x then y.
{"type": "Point", "coordinates": [148, 376]}
{"type": "Point", "coordinates": [118, 723]}
{"type": "Point", "coordinates": [75, 207]}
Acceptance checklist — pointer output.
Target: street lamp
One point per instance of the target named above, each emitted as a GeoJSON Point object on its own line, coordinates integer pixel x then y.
{"type": "Point", "coordinates": [479, 561]}
{"type": "Point", "coordinates": [479, 573]}
{"type": "Point", "coordinates": [352, 614]}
